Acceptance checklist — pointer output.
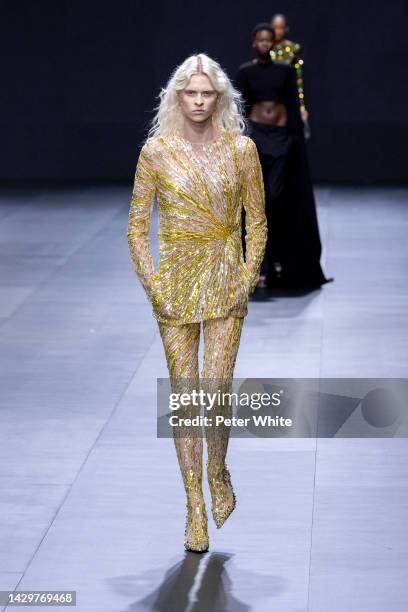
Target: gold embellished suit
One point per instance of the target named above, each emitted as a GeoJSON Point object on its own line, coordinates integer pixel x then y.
{"type": "Point", "coordinates": [201, 277]}
{"type": "Point", "coordinates": [201, 274]}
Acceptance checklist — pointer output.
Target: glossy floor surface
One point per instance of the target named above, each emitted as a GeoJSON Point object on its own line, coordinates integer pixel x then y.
{"type": "Point", "coordinates": [92, 501]}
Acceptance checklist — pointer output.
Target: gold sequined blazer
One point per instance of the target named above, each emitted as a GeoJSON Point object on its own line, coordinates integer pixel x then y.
{"type": "Point", "coordinates": [201, 273]}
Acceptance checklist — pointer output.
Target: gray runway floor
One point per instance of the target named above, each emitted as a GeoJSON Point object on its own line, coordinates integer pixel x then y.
{"type": "Point", "coordinates": [92, 501]}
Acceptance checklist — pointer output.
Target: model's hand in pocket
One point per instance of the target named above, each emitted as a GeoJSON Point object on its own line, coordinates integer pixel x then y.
{"type": "Point", "coordinates": [248, 280]}
{"type": "Point", "coordinates": [161, 304]}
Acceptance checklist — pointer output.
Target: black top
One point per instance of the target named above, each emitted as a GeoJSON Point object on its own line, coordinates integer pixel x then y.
{"type": "Point", "coordinates": [259, 82]}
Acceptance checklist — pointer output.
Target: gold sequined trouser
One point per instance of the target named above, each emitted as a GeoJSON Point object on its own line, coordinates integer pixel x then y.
{"type": "Point", "coordinates": [181, 345]}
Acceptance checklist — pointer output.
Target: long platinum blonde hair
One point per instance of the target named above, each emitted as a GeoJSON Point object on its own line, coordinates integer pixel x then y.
{"type": "Point", "coordinates": [228, 113]}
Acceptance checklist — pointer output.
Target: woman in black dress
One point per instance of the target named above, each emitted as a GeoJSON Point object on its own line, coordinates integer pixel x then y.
{"type": "Point", "coordinates": [293, 251]}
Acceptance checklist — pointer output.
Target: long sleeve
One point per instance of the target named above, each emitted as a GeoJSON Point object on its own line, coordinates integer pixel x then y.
{"type": "Point", "coordinates": [292, 55]}
{"type": "Point", "coordinates": [295, 122]}
{"type": "Point", "coordinates": [298, 65]}
{"type": "Point", "coordinates": [256, 230]}
{"type": "Point", "coordinates": [141, 205]}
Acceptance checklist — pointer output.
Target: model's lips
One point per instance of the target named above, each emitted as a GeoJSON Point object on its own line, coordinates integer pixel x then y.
{"type": "Point", "coordinates": [198, 111]}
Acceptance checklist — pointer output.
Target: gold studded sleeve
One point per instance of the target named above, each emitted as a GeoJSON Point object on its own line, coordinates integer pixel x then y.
{"type": "Point", "coordinates": [298, 65]}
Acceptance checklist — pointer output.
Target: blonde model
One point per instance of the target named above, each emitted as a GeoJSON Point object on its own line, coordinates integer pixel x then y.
{"type": "Point", "coordinates": [202, 170]}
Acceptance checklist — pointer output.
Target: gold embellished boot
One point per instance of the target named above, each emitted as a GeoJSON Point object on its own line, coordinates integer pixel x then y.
{"type": "Point", "coordinates": [196, 532]}
{"type": "Point", "coordinates": [219, 480]}
{"type": "Point", "coordinates": [222, 494]}
{"type": "Point", "coordinates": [189, 446]}
{"type": "Point", "coordinates": [188, 440]}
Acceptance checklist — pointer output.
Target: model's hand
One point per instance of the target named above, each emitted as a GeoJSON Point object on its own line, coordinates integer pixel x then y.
{"type": "Point", "coordinates": [159, 303]}
{"type": "Point", "coordinates": [164, 310]}
{"type": "Point", "coordinates": [251, 281]}
{"type": "Point", "coordinates": [155, 293]}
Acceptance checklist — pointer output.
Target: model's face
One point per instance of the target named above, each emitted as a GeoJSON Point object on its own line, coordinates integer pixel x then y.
{"type": "Point", "coordinates": [281, 28]}
{"type": "Point", "coordinates": [198, 99]}
{"type": "Point", "coordinates": [263, 42]}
